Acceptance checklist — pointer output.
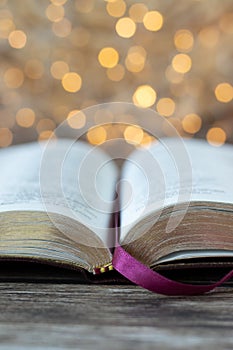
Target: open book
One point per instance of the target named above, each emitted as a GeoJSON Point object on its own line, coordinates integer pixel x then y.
{"type": "Point", "coordinates": [69, 204]}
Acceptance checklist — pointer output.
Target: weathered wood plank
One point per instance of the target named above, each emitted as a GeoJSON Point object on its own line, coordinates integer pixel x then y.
{"type": "Point", "coordinates": [61, 316]}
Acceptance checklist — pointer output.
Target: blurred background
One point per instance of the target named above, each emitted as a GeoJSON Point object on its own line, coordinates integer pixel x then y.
{"type": "Point", "coordinates": [61, 56]}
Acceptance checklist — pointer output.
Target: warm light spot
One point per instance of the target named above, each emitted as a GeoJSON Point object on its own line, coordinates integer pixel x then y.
{"type": "Point", "coordinates": [224, 92]}
{"type": "Point", "coordinates": [146, 140]}
{"type": "Point", "coordinates": [183, 40]}
{"type": "Point", "coordinates": [216, 136]}
{"type": "Point", "coordinates": [59, 69]}
{"type": "Point", "coordinates": [17, 39]}
{"type": "Point", "coordinates": [6, 26]}
{"type": "Point", "coordinates": [25, 117]}
{"type": "Point", "coordinates": [34, 69]}
{"type": "Point", "coordinates": [55, 13]}
{"type": "Point", "coordinates": [84, 6]}
{"type": "Point", "coordinates": [72, 82]}
{"type": "Point", "coordinates": [134, 67]}
{"type": "Point", "coordinates": [173, 76]}
{"type": "Point", "coordinates": [125, 27]}
{"type": "Point", "coordinates": [133, 134]}
{"type": "Point", "coordinates": [153, 21]}
{"type": "Point", "coordinates": [46, 134]}
{"type": "Point", "coordinates": [226, 22]}
{"type": "Point", "coordinates": [191, 123]}
{"type": "Point", "coordinates": [116, 73]}
{"type": "Point", "coordinates": [62, 28]}
{"type": "Point", "coordinates": [116, 8]}
{"type": "Point", "coordinates": [13, 78]}
{"type": "Point", "coordinates": [181, 63]}
{"type": "Point", "coordinates": [135, 60]}
{"type": "Point", "coordinates": [6, 137]}
{"type": "Point", "coordinates": [209, 36]}
{"type": "Point", "coordinates": [79, 37]}
{"type": "Point", "coordinates": [137, 12]}
{"type": "Point", "coordinates": [108, 57]}
{"type": "Point", "coordinates": [97, 135]}
{"type": "Point", "coordinates": [166, 106]}
{"type": "Point", "coordinates": [76, 119]}
{"type": "Point", "coordinates": [45, 124]}
{"type": "Point", "coordinates": [144, 96]}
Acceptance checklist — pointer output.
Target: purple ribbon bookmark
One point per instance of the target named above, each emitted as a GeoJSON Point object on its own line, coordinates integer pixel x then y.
{"type": "Point", "coordinates": [143, 276]}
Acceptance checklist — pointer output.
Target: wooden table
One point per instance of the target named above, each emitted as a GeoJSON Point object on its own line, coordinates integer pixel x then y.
{"type": "Point", "coordinates": [77, 316]}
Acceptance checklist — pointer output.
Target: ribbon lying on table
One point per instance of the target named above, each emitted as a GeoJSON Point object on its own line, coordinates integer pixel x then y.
{"type": "Point", "coordinates": [143, 276]}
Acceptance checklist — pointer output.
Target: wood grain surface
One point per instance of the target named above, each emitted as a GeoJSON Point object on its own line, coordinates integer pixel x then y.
{"type": "Point", "coordinates": [74, 316]}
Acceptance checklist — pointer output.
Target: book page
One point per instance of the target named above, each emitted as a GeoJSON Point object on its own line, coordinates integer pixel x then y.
{"type": "Point", "coordinates": [72, 179]}
{"type": "Point", "coordinates": [164, 176]}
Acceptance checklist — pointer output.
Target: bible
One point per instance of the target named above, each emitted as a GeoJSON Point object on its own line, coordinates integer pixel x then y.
{"type": "Point", "coordinates": [164, 217]}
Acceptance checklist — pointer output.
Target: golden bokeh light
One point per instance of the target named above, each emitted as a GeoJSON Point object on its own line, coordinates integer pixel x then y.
{"type": "Point", "coordinates": [6, 137]}
{"type": "Point", "coordinates": [46, 134]}
{"type": "Point", "coordinates": [133, 134]}
{"type": "Point", "coordinates": [209, 36]}
{"type": "Point", "coordinates": [153, 21]}
{"type": "Point", "coordinates": [135, 60]}
{"type": "Point", "coordinates": [59, 57]}
{"type": "Point", "coordinates": [183, 40]}
{"type": "Point", "coordinates": [17, 39]}
{"type": "Point", "coordinates": [146, 140]}
{"type": "Point", "coordinates": [72, 82]}
{"type": "Point", "coordinates": [25, 117]}
{"type": "Point", "coordinates": [191, 123]}
{"type": "Point", "coordinates": [55, 13]}
{"type": "Point", "coordinates": [116, 73]}
{"type": "Point", "coordinates": [62, 28]}
{"type": "Point", "coordinates": [108, 57]}
{"type": "Point", "coordinates": [224, 92]}
{"type": "Point", "coordinates": [166, 106]}
{"type": "Point", "coordinates": [125, 27]}
{"type": "Point", "coordinates": [144, 96]}
{"type": "Point", "coordinates": [97, 135]}
{"type": "Point", "coordinates": [216, 136]}
{"type": "Point", "coordinates": [137, 12]}
{"type": "Point", "coordinates": [76, 119]}
{"type": "Point", "coordinates": [58, 69]}
{"type": "Point", "coordinates": [181, 63]}
{"type": "Point", "coordinates": [116, 8]}
{"type": "Point", "coordinates": [34, 69]}
{"type": "Point", "coordinates": [13, 78]}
